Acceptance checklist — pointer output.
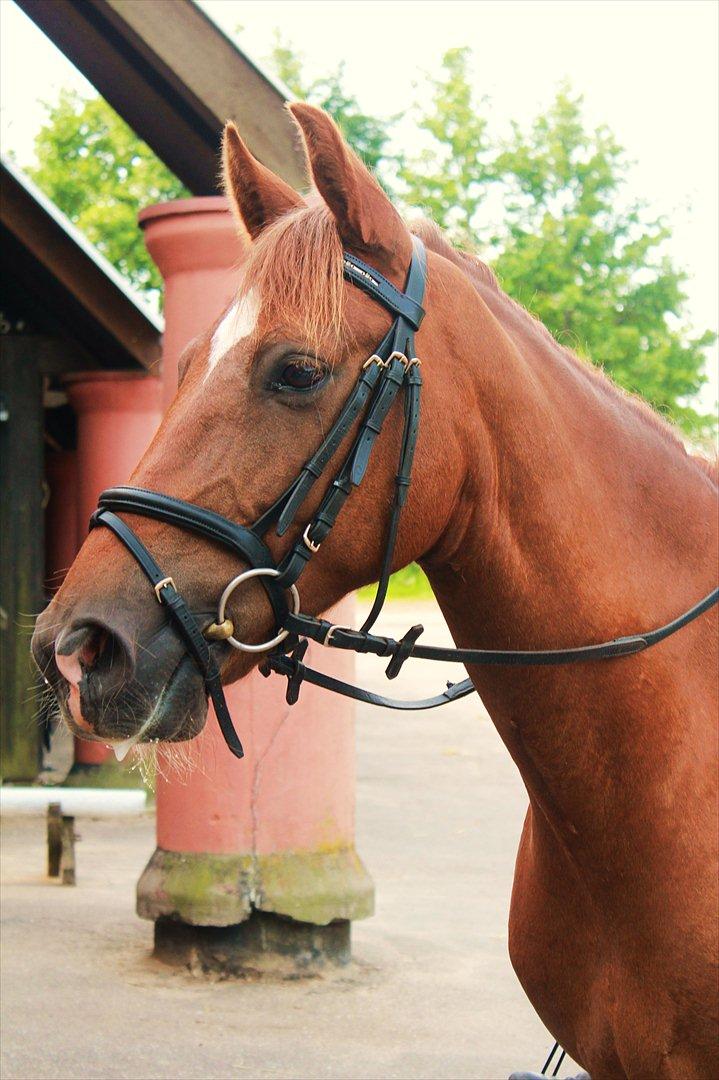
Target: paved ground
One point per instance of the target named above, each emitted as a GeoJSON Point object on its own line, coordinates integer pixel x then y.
{"type": "Point", "coordinates": [431, 992]}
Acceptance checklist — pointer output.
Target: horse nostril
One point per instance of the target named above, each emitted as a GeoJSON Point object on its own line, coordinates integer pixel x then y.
{"type": "Point", "coordinates": [91, 648]}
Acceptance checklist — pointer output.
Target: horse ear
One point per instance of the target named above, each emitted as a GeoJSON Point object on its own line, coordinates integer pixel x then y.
{"type": "Point", "coordinates": [258, 197]}
{"type": "Point", "coordinates": [366, 220]}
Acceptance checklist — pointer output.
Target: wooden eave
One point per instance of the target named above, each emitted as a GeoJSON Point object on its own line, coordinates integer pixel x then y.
{"type": "Point", "coordinates": [51, 269]}
{"type": "Point", "coordinates": [175, 77]}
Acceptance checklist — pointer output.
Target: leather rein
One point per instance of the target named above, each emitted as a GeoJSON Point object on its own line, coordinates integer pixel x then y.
{"type": "Point", "coordinates": [394, 367]}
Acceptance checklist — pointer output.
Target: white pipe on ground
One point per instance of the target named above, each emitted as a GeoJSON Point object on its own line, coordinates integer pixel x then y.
{"type": "Point", "coordinates": [88, 802]}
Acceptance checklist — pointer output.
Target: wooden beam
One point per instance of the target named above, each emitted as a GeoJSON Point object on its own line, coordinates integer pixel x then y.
{"type": "Point", "coordinates": [55, 356]}
{"type": "Point", "coordinates": [22, 557]}
{"type": "Point", "coordinates": [173, 75]}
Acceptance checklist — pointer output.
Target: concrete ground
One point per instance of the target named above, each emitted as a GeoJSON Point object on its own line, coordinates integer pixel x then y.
{"type": "Point", "coordinates": [430, 993]}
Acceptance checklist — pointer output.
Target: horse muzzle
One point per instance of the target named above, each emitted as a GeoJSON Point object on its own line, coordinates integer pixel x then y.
{"type": "Point", "coordinates": [115, 689]}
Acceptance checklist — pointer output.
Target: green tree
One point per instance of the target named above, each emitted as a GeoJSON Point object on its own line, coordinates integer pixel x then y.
{"type": "Point", "coordinates": [594, 262]}
{"type": "Point", "coordinates": [448, 180]}
{"type": "Point", "coordinates": [569, 245]}
{"type": "Point", "coordinates": [97, 171]}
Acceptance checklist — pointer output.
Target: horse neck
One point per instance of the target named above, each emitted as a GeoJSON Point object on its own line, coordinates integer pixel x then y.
{"type": "Point", "coordinates": [580, 519]}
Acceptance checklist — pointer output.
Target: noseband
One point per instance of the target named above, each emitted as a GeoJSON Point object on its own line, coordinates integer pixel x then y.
{"type": "Point", "coordinates": [392, 368]}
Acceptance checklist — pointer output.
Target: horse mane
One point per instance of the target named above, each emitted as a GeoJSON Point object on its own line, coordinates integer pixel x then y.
{"type": "Point", "coordinates": [296, 266]}
{"type": "Point", "coordinates": [484, 279]}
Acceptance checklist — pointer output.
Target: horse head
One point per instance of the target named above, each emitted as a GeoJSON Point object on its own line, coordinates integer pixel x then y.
{"type": "Point", "coordinates": [257, 394]}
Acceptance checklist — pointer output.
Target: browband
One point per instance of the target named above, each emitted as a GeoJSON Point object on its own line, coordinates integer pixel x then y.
{"type": "Point", "coordinates": [383, 291]}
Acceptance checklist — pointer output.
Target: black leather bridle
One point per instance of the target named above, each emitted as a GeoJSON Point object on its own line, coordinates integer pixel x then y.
{"type": "Point", "coordinates": [392, 368]}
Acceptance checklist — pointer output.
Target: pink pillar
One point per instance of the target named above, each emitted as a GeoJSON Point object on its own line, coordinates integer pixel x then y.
{"type": "Point", "coordinates": [264, 846]}
{"type": "Point", "coordinates": [117, 414]}
{"type": "Point", "coordinates": [61, 538]}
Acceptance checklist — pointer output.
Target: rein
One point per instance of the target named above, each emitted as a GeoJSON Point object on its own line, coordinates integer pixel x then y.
{"type": "Point", "coordinates": [392, 368]}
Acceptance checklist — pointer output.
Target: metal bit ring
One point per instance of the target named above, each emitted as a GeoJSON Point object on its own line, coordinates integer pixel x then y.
{"type": "Point", "coordinates": [258, 571]}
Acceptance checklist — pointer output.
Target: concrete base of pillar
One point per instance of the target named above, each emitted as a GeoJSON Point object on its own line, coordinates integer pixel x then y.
{"type": "Point", "coordinates": [108, 774]}
{"type": "Point", "coordinates": [287, 913]}
{"type": "Point", "coordinates": [264, 944]}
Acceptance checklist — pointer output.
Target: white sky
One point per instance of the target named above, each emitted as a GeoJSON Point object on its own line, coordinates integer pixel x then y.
{"type": "Point", "coordinates": [647, 68]}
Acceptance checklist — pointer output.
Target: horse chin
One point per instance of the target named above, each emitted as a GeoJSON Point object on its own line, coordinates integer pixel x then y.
{"type": "Point", "coordinates": [180, 712]}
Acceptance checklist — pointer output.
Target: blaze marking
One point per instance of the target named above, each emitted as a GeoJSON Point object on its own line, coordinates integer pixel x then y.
{"type": "Point", "coordinates": [237, 323]}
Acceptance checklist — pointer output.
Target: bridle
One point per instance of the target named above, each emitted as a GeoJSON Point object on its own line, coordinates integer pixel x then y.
{"type": "Point", "coordinates": [392, 368]}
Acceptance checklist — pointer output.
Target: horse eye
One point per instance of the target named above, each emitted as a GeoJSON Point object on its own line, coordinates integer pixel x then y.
{"type": "Point", "coordinates": [299, 376]}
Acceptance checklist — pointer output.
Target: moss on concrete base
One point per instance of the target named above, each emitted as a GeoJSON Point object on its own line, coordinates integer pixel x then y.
{"type": "Point", "coordinates": [316, 888]}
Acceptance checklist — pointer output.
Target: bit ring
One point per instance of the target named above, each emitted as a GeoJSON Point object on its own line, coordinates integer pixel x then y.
{"type": "Point", "coordinates": [257, 571]}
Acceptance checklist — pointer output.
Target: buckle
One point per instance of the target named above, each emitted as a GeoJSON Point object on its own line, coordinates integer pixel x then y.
{"type": "Point", "coordinates": [161, 585]}
{"type": "Point", "coordinates": [375, 359]}
{"type": "Point", "coordinates": [327, 639]}
{"type": "Point", "coordinates": [314, 547]}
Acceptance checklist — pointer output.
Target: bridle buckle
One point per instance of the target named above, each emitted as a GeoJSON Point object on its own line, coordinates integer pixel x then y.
{"type": "Point", "coordinates": [404, 360]}
{"type": "Point", "coordinates": [161, 585]}
{"type": "Point", "coordinates": [314, 546]}
{"type": "Point", "coordinates": [335, 626]}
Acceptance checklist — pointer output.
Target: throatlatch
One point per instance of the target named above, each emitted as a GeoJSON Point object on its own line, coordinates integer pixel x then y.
{"type": "Point", "coordinates": [393, 368]}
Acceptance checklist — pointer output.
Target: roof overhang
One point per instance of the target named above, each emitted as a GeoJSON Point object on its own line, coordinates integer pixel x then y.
{"type": "Point", "coordinates": [74, 292]}
{"type": "Point", "coordinates": [175, 77]}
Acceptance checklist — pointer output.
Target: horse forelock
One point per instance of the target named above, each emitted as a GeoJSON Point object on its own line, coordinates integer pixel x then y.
{"type": "Point", "coordinates": [295, 266]}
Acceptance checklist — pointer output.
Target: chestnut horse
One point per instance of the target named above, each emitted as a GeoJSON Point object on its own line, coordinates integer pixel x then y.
{"type": "Point", "coordinates": [548, 508]}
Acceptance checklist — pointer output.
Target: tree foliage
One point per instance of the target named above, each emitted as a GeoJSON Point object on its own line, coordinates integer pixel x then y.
{"type": "Point", "coordinates": [97, 171]}
{"type": "Point", "coordinates": [570, 244]}
{"type": "Point", "coordinates": [545, 204]}
{"type": "Point", "coordinates": [449, 178]}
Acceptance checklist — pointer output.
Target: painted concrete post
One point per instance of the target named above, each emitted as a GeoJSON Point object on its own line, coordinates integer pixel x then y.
{"type": "Point", "coordinates": [255, 864]}
{"type": "Point", "coordinates": [117, 415]}
{"type": "Point", "coordinates": [61, 536]}
{"type": "Point", "coordinates": [61, 540]}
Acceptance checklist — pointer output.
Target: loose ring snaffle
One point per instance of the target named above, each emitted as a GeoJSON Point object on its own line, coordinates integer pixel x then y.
{"type": "Point", "coordinates": [258, 571]}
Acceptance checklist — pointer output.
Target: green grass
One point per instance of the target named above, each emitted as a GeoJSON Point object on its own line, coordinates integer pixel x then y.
{"type": "Point", "coordinates": [407, 584]}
